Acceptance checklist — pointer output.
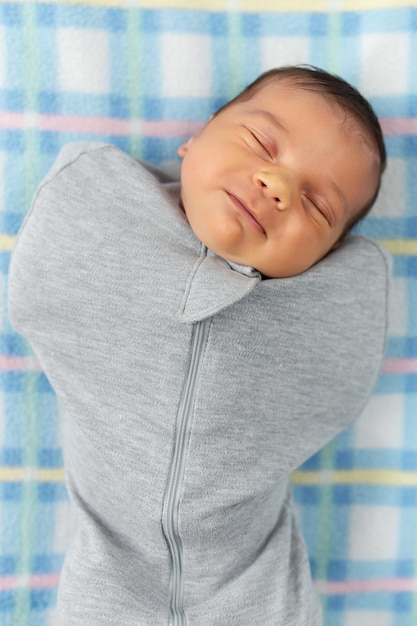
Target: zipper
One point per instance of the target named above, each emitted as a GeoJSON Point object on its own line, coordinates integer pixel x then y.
{"type": "Point", "coordinates": [170, 507]}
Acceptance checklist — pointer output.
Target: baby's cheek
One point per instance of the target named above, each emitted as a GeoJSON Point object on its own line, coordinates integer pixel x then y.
{"type": "Point", "coordinates": [228, 232]}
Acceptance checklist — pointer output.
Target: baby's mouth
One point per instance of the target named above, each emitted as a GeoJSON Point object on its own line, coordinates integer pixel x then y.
{"type": "Point", "coordinates": [244, 210]}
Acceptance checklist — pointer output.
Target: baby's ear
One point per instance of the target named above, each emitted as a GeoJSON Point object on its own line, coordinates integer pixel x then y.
{"type": "Point", "coordinates": [183, 149]}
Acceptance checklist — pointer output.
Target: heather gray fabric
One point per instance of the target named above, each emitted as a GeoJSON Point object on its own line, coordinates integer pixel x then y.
{"type": "Point", "coordinates": [163, 439]}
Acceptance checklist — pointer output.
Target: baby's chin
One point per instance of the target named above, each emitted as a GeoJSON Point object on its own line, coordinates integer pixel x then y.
{"type": "Point", "coordinates": [226, 238]}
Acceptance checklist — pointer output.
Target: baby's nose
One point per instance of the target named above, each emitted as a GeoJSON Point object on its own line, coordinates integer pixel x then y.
{"type": "Point", "coordinates": [277, 185]}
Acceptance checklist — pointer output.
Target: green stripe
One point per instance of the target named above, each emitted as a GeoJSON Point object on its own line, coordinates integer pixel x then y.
{"type": "Point", "coordinates": [29, 507]}
{"type": "Point", "coordinates": [409, 410]}
{"type": "Point", "coordinates": [235, 55]}
{"type": "Point", "coordinates": [325, 529]}
{"type": "Point", "coordinates": [325, 514]}
{"type": "Point", "coordinates": [31, 165]}
{"type": "Point", "coordinates": [31, 67]}
{"type": "Point", "coordinates": [135, 65]}
{"type": "Point", "coordinates": [334, 42]}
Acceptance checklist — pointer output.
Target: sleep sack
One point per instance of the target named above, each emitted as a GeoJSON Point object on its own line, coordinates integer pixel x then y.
{"type": "Point", "coordinates": [189, 388]}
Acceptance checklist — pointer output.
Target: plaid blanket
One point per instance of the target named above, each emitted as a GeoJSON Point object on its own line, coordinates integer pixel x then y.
{"type": "Point", "coordinates": [144, 74]}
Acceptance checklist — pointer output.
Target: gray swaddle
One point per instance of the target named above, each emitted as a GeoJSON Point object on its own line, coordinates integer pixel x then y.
{"type": "Point", "coordinates": [189, 389]}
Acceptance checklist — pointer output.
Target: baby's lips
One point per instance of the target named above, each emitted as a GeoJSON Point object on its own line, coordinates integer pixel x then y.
{"type": "Point", "coordinates": [247, 212]}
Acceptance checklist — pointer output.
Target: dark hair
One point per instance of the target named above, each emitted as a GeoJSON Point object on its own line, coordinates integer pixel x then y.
{"type": "Point", "coordinates": [337, 91]}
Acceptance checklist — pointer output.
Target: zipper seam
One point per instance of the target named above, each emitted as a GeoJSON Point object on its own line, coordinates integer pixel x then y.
{"type": "Point", "coordinates": [170, 508]}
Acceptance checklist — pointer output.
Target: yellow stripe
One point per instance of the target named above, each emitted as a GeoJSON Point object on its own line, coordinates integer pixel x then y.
{"type": "Point", "coordinates": [21, 474]}
{"type": "Point", "coordinates": [300, 477]}
{"type": "Point", "coordinates": [400, 246]}
{"type": "Point", "coordinates": [50, 475]}
{"type": "Point", "coordinates": [362, 476]}
{"type": "Point", "coordinates": [255, 6]}
{"type": "Point", "coordinates": [7, 242]}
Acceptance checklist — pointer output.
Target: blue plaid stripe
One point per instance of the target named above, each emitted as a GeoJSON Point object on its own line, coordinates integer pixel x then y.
{"type": "Point", "coordinates": [252, 29]}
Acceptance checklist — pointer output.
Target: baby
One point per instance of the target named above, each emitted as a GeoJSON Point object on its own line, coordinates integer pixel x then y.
{"type": "Point", "coordinates": [290, 165]}
{"type": "Point", "coordinates": [203, 343]}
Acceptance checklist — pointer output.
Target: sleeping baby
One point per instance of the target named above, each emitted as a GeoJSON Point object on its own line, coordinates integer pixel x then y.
{"type": "Point", "coordinates": [204, 338]}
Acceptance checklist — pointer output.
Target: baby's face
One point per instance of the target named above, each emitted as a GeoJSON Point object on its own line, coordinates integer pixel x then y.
{"type": "Point", "coordinates": [273, 181]}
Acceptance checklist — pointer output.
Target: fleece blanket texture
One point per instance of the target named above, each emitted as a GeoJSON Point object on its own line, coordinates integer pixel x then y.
{"type": "Point", "coordinates": [144, 75]}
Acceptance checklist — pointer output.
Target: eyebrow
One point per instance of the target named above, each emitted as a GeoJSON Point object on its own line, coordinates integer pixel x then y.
{"type": "Point", "coordinates": [271, 118]}
{"type": "Point", "coordinates": [276, 122]}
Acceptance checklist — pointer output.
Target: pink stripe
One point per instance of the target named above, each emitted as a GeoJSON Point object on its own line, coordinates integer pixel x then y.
{"type": "Point", "coordinates": [45, 581]}
{"type": "Point", "coordinates": [363, 586]}
{"type": "Point", "coordinates": [35, 581]}
{"type": "Point", "coordinates": [18, 363]}
{"type": "Point", "coordinates": [98, 125]}
{"type": "Point", "coordinates": [9, 119]}
{"type": "Point", "coordinates": [166, 128]}
{"type": "Point", "coordinates": [399, 126]}
{"type": "Point", "coordinates": [399, 366]}
{"type": "Point", "coordinates": [8, 582]}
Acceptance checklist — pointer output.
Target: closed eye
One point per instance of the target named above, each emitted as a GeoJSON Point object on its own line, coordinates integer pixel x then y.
{"type": "Point", "coordinates": [318, 208]}
{"type": "Point", "coordinates": [260, 143]}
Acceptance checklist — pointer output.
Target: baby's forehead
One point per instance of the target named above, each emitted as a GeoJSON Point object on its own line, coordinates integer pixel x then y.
{"type": "Point", "coordinates": [349, 118]}
{"type": "Point", "coordinates": [272, 94]}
